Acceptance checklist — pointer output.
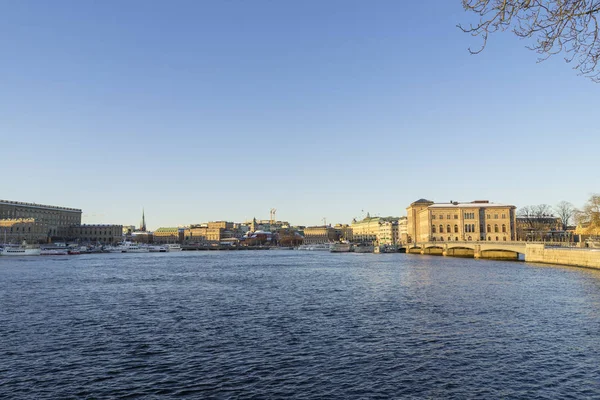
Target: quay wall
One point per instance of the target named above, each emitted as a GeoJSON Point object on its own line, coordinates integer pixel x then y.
{"type": "Point", "coordinates": [564, 256]}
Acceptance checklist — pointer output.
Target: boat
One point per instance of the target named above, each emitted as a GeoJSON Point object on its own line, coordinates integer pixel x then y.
{"type": "Point", "coordinates": [173, 247]}
{"type": "Point", "coordinates": [129, 247]}
{"type": "Point", "coordinates": [158, 249]}
{"type": "Point", "coordinates": [314, 247]}
{"type": "Point", "coordinates": [341, 247]}
{"type": "Point", "coordinates": [54, 252]}
{"type": "Point", "coordinates": [20, 251]}
{"type": "Point", "coordinates": [363, 248]}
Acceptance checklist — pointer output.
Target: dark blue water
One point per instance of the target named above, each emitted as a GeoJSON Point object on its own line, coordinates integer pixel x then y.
{"type": "Point", "coordinates": [290, 324]}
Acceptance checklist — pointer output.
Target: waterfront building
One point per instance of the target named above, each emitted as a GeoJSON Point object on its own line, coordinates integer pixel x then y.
{"type": "Point", "coordinates": [543, 228]}
{"type": "Point", "coordinates": [95, 233]}
{"type": "Point", "coordinates": [34, 222]}
{"type": "Point", "coordinates": [369, 230]}
{"type": "Point", "coordinates": [320, 234]}
{"type": "Point", "coordinates": [388, 233]}
{"type": "Point", "coordinates": [402, 231]}
{"type": "Point", "coordinates": [168, 235]}
{"type": "Point", "coordinates": [455, 221]}
{"type": "Point", "coordinates": [344, 232]}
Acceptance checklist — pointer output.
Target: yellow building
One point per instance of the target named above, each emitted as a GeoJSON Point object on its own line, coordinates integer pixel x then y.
{"type": "Point", "coordinates": [477, 220]}
{"type": "Point", "coordinates": [375, 230]}
{"type": "Point", "coordinates": [320, 234]}
{"type": "Point", "coordinates": [168, 235]}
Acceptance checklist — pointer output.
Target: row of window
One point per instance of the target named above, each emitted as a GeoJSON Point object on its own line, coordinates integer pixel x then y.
{"type": "Point", "coordinates": [441, 239]}
{"type": "Point", "coordinates": [469, 215]}
{"type": "Point", "coordinates": [468, 228]}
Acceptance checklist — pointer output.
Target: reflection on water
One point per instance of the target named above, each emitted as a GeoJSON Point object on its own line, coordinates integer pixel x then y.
{"type": "Point", "coordinates": [284, 324]}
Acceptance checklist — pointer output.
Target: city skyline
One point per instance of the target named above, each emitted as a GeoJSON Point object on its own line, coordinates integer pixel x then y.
{"type": "Point", "coordinates": [199, 112]}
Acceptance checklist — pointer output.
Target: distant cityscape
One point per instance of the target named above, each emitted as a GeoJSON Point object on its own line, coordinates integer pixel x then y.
{"type": "Point", "coordinates": [425, 221]}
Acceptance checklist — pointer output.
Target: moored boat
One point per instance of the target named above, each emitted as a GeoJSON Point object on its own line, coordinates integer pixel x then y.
{"type": "Point", "coordinates": [174, 247]}
{"type": "Point", "coordinates": [20, 251]}
{"type": "Point", "coordinates": [341, 247]}
{"type": "Point", "coordinates": [363, 248]}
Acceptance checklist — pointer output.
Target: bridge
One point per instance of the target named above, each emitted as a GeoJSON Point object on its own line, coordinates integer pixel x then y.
{"type": "Point", "coordinates": [476, 249]}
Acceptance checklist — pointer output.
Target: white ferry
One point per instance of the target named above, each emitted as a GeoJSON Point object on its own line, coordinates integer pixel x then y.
{"type": "Point", "coordinates": [363, 248]}
{"type": "Point", "coordinates": [340, 247]}
{"type": "Point", "coordinates": [174, 247]}
{"type": "Point", "coordinates": [129, 247]}
{"type": "Point", "coordinates": [20, 251]}
{"type": "Point", "coordinates": [158, 249]}
{"type": "Point", "coordinates": [314, 247]}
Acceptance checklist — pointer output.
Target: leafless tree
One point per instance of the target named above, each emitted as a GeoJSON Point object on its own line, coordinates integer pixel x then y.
{"type": "Point", "coordinates": [565, 211]}
{"type": "Point", "coordinates": [589, 216]}
{"type": "Point", "coordinates": [569, 27]}
{"type": "Point", "coordinates": [534, 220]}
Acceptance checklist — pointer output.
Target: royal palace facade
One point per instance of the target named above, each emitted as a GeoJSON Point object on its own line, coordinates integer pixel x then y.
{"type": "Point", "coordinates": [34, 222]}
{"type": "Point", "coordinates": [475, 221]}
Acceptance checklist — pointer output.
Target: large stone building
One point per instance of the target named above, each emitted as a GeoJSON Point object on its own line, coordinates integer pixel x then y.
{"type": "Point", "coordinates": [454, 221]}
{"type": "Point", "coordinates": [34, 222]}
{"type": "Point", "coordinates": [97, 233]}
{"type": "Point", "coordinates": [376, 230]}
{"type": "Point", "coordinates": [320, 234]}
{"type": "Point", "coordinates": [168, 235]}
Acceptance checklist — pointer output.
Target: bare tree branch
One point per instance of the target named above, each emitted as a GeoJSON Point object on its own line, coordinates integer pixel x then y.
{"type": "Point", "coordinates": [569, 27]}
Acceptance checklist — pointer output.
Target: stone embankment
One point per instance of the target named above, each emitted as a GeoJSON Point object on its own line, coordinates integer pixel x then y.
{"type": "Point", "coordinates": [577, 257]}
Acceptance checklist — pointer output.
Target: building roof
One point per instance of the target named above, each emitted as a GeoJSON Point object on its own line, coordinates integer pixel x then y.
{"type": "Point", "coordinates": [421, 201]}
{"type": "Point", "coordinates": [469, 205]}
{"type": "Point", "coordinates": [35, 205]}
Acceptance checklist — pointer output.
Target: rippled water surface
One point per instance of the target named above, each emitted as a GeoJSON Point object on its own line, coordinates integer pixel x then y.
{"type": "Point", "coordinates": [292, 324]}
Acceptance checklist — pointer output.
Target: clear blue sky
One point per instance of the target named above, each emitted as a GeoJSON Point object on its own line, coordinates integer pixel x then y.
{"type": "Point", "coordinates": [206, 110]}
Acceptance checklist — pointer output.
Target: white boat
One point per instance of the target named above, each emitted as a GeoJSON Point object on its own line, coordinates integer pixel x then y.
{"type": "Point", "coordinates": [158, 249]}
{"type": "Point", "coordinates": [129, 247]}
{"type": "Point", "coordinates": [340, 247]}
{"type": "Point", "coordinates": [174, 247]}
{"type": "Point", "coordinates": [363, 248]}
{"type": "Point", "coordinates": [314, 247]}
{"type": "Point", "coordinates": [20, 251]}
{"type": "Point", "coordinates": [54, 252]}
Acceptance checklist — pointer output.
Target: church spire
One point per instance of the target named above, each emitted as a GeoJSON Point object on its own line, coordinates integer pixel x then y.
{"type": "Point", "coordinates": [143, 223]}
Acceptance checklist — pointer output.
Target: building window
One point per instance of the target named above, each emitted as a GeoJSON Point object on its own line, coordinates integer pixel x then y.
{"type": "Point", "coordinates": [495, 216]}
{"type": "Point", "coordinates": [456, 239]}
{"type": "Point", "coordinates": [469, 238]}
{"type": "Point", "coordinates": [433, 216]}
{"type": "Point", "coordinates": [503, 216]}
{"type": "Point", "coordinates": [503, 228]}
{"type": "Point", "coordinates": [449, 239]}
{"type": "Point", "coordinates": [441, 217]}
{"type": "Point", "coordinates": [489, 238]}
{"type": "Point", "coordinates": [448, 216]}
{"type": "Point", "coordinates": [455, 216]}
{"type": "Point", "coordinates": [448, 229]}
{"type": "Point", "coordinates": [441, 228]}
{"type": "Point", "coordinates": [455, 228]}
{"type": "Point", "coordinates": [433, 229]}
{"type": "Point", "coordinates": [497, 238]}
{"type": "Point", "coordinates": [441, 239]}
{"type": "Point", "coordinates": [489, 228]}
{"type": "Point", "coordinates": [496, 228]}
{"type": "Point", "coordinates": [504, 238]}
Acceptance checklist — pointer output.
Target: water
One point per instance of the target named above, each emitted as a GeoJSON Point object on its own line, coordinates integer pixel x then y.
{"type": "Point", "coordinates": [290, 324]}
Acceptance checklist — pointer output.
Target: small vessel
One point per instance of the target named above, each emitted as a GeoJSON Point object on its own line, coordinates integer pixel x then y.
{"type": "Point", "coordinates": [54, 252]}
{"type": "Point", "coordinates": [129, 247]}
{"type": "Point", "coordinates": [173, 247]}
{"type": "Point", "coordinates": [363, 248]}
{"type": "Point", "coordinates": [314, 247]}
{"type": "Point", "coordinates": [158, 249]}
{"type": "Point", "coordinates": [20, 251]}
{"type": "Point", "coordinates": [341, 247]}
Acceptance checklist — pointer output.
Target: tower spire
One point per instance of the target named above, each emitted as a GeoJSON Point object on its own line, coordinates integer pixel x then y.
{"type": "Point", "coordinates": [143, 223]}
